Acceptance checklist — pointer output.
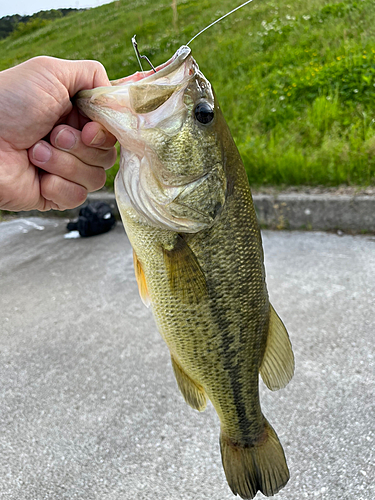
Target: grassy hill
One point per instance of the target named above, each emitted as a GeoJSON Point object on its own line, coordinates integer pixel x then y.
{"type": "Point", "coordinates": [17, 25]}
{"type": "Point", "coordinates": [296, 80]}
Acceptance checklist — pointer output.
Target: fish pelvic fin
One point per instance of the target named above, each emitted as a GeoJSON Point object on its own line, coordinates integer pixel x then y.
{"type": "Point", "coordinates": [277, 366]}
{"type": "Point", "coordinates": [260, 466]}
{"type": "Point", "coordinates": [193, 393]}
{"type": "Point", "coordinates": [141, 281]}
{"type": "Point", "coordinates": [186, 277]}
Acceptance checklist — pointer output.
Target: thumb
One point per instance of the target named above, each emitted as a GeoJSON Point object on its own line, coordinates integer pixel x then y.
{"type": "Point", "coordinates": [75, 75]}
{"type": "Point", "coordinates": [85, 75]}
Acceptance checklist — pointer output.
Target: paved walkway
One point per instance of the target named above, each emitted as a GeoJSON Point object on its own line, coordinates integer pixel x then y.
{"type": "Point", "coordinates": [89, 408]}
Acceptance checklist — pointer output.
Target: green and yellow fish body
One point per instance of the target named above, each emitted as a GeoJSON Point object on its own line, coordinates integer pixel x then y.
{"type": "Point", "coordinates": [187, 209]}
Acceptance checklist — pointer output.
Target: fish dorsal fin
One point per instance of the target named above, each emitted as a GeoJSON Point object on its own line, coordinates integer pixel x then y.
{"type": "Point", "coordinates": [186, 277]}
{"type": "Point", "coordinates": [141, 280]}
{"type": "Point", "coordinates": [193, 393]}
{"type": "Point", "coordinates": [277, 367]}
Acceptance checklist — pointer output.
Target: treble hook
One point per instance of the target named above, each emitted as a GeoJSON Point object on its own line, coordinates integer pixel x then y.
{"type": "Point", "coordinates": [139, 57]}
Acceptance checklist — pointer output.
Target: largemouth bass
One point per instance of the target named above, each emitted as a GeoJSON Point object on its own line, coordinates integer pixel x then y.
{"type": "Point", "coordinates": [187, 209]}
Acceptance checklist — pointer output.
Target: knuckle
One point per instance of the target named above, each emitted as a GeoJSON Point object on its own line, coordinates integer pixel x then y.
{"type": "Point", "coordinates": [61, 193]}
{"type": "Point", "coordinates": [80, 195]}
{"type": "Point", "coordinates": [70, 167]}
{"type": "Point", "coordinates": [99, 158]}
{"type": "Point", "coordinates": [109, 158]}
{"type": "Point", "coordinates": [40, 60]}
{"type": "Point", "coordinates": [99, 179]}
{"type": "Point", "coordinates": [113, 156]}
{"type": "Point", "coordinates": [99, 67]}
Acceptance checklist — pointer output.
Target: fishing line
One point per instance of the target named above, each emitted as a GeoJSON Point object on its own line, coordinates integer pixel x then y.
{"type": "Point", "coordinates": [139, 57]}
{"type": "Point", "coordinates": [217, 20]}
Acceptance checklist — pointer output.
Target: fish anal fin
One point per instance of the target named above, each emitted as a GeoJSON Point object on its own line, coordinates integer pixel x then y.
{"type": "Point", "coordinates": [186, 277]}
{"type": "Point", "coordinates": [260, 466]}
{"type": "Point", "coordinates": [194, 394]}
{"type": "Point", "coordinates": [277, 366]}
{"type": "Point", "coordinates": [141, 281]}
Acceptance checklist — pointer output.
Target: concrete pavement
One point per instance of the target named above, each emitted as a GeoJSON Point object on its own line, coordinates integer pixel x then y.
{"type": "Point", "coordinates": [89, 408]}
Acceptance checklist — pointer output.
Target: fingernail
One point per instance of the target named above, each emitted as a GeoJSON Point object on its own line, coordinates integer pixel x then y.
{"type": "Point", "coordinates": [65, 139]}
{"type": "Point", "coordinates": [98, 139]}
{"type": "Point", "coordinates": [42, 152]}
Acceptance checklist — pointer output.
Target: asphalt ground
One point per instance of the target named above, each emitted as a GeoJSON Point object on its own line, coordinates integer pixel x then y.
{"type": "Point", "coordinates": [89, 408]}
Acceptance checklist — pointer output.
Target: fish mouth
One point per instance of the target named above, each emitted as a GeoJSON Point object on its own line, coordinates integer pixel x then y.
{"type": "Point", "coordinates": [167, 76]}
{"type": "Point", "coordinates": [143, 110]}
{"type": "Point", "coordinates": [161, 71]}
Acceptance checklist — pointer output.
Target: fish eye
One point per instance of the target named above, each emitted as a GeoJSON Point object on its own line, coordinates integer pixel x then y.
{"type": "Point", "coordinates": [204, 112]}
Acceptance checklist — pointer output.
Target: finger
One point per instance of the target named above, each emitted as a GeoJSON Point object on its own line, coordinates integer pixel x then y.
{"type": "Point", "coordinates": [74, 75]}
{"type": "Point", "coordinates": [66, 166]}
{"type": "Point", "coordinates": [69, 139]}
{"type": "Point", "coordinates": [74, 119]}
{"type": "Point", "coordinates": [85, 75]}
{"type": "Point", "coordinates": [59, 193]}
{"type": "Point", "coordinates": [95, 135]}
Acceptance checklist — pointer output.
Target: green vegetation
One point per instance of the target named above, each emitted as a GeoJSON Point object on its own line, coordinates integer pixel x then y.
{"type": "Point", "coordinates": [296, 81]}
{"type": "Point", "coordinates": [17, 25]}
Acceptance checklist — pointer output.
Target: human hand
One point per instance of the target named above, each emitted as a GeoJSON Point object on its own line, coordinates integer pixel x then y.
{"type": "Point", "coordinates": [50, 155]}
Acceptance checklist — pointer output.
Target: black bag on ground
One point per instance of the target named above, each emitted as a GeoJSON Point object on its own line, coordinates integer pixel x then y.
{"type": "Point", "coordinates": [94, 218]}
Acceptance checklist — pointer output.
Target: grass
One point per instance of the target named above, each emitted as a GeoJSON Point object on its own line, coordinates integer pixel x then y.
{"type": "Point", "coordinates": [296, 81]}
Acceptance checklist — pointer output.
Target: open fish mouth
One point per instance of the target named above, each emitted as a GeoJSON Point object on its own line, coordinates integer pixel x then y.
{"type": "Point", "coordinates": [142, 92]}
{"type": "Point", "coordinates": [150, 113]}
{"type": "Point", "coordinates": [163, 70]}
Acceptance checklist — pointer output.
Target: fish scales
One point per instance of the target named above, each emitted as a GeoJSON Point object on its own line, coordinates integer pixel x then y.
{"type": "Point", "coordinates": [187, 209]}
{"type": "Point", "coordinates": [215, 332]}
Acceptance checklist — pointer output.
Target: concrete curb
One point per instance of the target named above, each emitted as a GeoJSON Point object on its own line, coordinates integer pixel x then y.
{"type": "Point", "coordinates": [318, 212]}
{"type": "Point", "coordinates": [325, 212]}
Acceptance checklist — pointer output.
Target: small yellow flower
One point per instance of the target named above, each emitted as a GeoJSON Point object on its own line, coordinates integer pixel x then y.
{"type": "Point", "coordinates": [338, 58]}
{"type": "Point", "coordinates": [294, 85]}
{"type": "Point", "coordinates": [364, 57]}
{"type": "Point", "coordinates": [312, 74]}
{"type": "Point", "coordinates": [289, 94]}
{"type": "Point", "coordinates": [275, 91]}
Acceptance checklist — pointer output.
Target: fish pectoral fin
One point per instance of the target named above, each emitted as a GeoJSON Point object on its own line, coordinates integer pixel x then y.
{"type": "Point", "coordinates": [277, 366]}
{"type": "Point", "coordinates": [193, 393]}
{"type": "Point", "coordinates": [141, 281]}
{"type": "Point", "coordinates": [186, 277]}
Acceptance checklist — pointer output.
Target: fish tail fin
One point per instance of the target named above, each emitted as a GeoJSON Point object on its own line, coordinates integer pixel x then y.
{"type": "Point", "coordinates": [261, 466]}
